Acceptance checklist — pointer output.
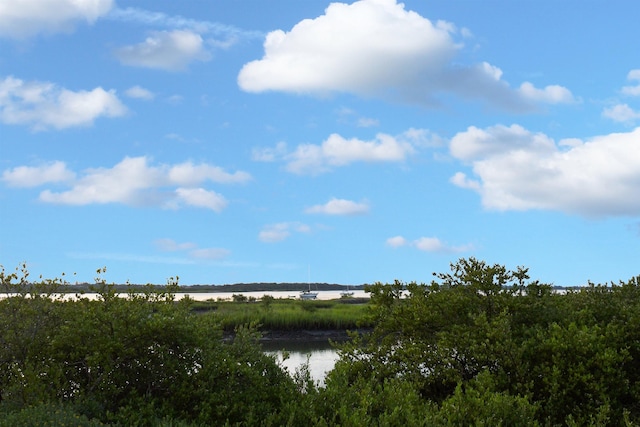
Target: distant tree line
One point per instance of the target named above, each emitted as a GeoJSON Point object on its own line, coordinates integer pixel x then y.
{"type": "Point", "coordinates": [236, 287]}
{"type": "Point", "coordinates": [480, 345]}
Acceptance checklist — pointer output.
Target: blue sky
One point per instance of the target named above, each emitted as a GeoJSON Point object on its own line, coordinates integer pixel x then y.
{"type": "Point", "coordinates": [286, 141]}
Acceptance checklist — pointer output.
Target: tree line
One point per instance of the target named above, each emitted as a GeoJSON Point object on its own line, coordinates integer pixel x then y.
{"type": "Point", "coordinates": [480, 345]}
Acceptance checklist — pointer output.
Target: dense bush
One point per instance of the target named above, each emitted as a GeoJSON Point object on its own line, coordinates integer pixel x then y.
{"type": "Point", "coordinates": [131, 360]}
{"type": "Point", "coordinates": [489, 347]}
{"type": "Point", "coordinates": [479, 346]}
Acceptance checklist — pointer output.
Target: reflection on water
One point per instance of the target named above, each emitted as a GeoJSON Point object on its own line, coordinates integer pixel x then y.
{"type": "Point", "coordinates": [320, 355]}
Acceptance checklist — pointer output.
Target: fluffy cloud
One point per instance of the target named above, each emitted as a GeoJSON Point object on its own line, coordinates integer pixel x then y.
{"type": "Point", "coordinates": [273, 233]}
{"type": "Point", "coordinates": [632, 90]}
{"type": "Point", "coordinates": [201, 198]}
{"type": "Point", "coordinates": [34, 176]}
{"type": "Point", "coordinates": [337, 151]}
{"type": "Point", "coordinates": [25, 18]}
{"type": "Point", "coordinates": [377, 48]}
{"type": "Point", "coordinates": [339, 207]}
{"type": "Point", "coordinates": [189, 174]}
{"type": "Point", "coordinates": [44, 105]}
{"type": "Point", "coordinates": [165, 50]}
{"type": "Point", "coordinates": [519, 170]}
{"type": "Point", "coordinates": [427, 244]}
{"type": "Point", "coordinates": [621, 113]}
{"type": "Point", "coordinates": [553, 94]}
{"type": "Point", "coordinates": [131, 182]}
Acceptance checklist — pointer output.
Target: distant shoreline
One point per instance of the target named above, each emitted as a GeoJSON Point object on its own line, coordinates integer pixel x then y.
{"type": "Point", "coordinates": [236, 287]}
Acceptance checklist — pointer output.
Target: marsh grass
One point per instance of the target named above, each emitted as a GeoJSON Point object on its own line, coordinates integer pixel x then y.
{"type": "Point", "coordinates": [286, 315]}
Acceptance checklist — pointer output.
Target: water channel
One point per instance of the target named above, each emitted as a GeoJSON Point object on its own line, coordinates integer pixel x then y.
{"type": "Point", "coordinates": [320, 356]}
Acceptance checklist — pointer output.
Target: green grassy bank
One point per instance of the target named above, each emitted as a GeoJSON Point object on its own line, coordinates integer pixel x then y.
{"type": "Point", "coordinates": [287, 315]}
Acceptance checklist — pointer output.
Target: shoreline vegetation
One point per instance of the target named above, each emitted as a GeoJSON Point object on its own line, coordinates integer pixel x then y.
{"type": "Point", "coordinates": [479, 345]}
{"type": "Point", "coordinates": [226, 288]}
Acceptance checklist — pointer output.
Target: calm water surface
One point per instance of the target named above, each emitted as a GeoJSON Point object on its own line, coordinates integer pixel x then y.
{"type": "Point", "coordinates": [321, 357]}
{"type": "Point", "coordinates": [205, 296]}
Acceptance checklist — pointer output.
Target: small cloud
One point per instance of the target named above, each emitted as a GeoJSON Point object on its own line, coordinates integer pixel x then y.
{"type": "Point", "coordinates": [273, 233]}
{"type": "Point", "coordinates": [461, 180]}
{"type": "Point", "coordinates": [165, 50]}
{"type": "Point", "coordinates": [138, 92]}
{"type": "Point", "coordinates": [434, 244]}
{"type": "Point", "coordinates": [175, 99]}
{"type": "Point", "coordinates": [338, 151]}
{"type": "Point", "coordinates": [200, 198]}
{"type": "Point", "coordinates": [621, 113]}
{"type": "Point", "coordinates": [44, 105]}
{"type": "Point", "coordinates": [269, 154]}
{"type": "Point", "coordinates": [28, 176]}
{"type": "Point", "coordinates": [22, 19]}
{"type": "Point", "coordinates": [347, 115]}
{"type": "Point", "coordinates": [366, 122]}
{"type": "Point", "coordinates": [553, 94]}
{"type": "Point", "coordinates": [427, 244]}
{"type": "Point", "coordinates": [396, 241]}
{"type": "Point", "coordinates": [190, 174]}
{"type": "Point", "coordinates": [466, 33]}
{"type": "Point", "coordinates": [339, 207]}
{"type": "Point", "coordinates": [133, 181]}
{"type": "Point", "coordinates": [632, 90]}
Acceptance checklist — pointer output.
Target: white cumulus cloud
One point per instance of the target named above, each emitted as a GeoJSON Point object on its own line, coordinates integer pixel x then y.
{"type": "Point", "coordinates": [337, 151]}
{"type": "Point", "coordinates": [339, 207]}
{"type": "Point", "coordinates": [621, 113]}
{"type": "Point", "coordinates": [165, 50]}
{"type": "Point", "coordinates": [133, 181]}
{"type": "Point", "coordinates": [632, 90]}
{"type": "Point", "coordinates": [189, 174]}
{"type": "Point", "coordinates": [515, 169]}
{"type": "Point", "coordinates": [34, 176]}
{"type": "Point", "coordinates": [378, 48]}
{"type": "Point", "coordinates": [552, 94]}
{"type": "Point", "coordinates": [25, 18]}
{"type": "Point", "coordinates": [201, 198]}
{"type": "Point", "coordinates": [44, 105]}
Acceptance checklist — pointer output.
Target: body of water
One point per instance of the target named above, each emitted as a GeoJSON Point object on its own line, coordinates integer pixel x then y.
{"type": "Point", "coordinates": [320, 357]}
{"type": "Point", "coordinates": [205, 296]}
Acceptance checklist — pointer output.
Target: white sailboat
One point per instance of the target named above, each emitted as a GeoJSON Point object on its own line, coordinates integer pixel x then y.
{"type": "Point", "coordinates": [308, 295]}
{"type": "Point", "coordinates": [347, 293]}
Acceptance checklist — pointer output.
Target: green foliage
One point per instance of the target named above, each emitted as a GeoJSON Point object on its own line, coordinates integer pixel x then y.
{"type": "Point", "coordinates": [47, 415]}
{"type": "Point", "coordinates": [130, 360]}
{"type": "Point", "coordinates": [490, 347]}
{"type": "Point", "coordinates": [478, 346]}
